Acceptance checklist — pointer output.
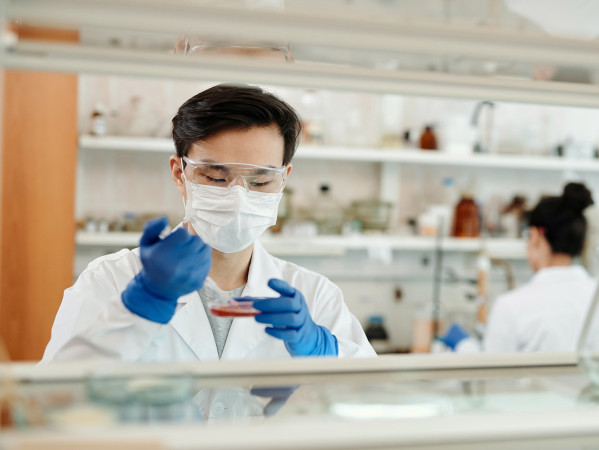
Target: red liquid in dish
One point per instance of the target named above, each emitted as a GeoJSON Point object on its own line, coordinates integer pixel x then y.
{"type": "Point", "coordinates": [238, 310]}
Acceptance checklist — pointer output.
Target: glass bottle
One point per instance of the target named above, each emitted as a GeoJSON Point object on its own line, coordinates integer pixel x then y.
{"type": "Point", "coordinates": [327, 214]}
{"type": "Point", "coordinates": [428, 140]}
{"type": "Point", "coordinates": [466, 218]}
{"type": "Point", "coordinates": [313, 117]}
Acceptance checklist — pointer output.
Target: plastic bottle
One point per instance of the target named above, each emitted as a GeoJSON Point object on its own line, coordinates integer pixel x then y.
{"type": "Point", "coordinates": [377, 334]}
{"type": "Point", "coordinates": [98, 120]}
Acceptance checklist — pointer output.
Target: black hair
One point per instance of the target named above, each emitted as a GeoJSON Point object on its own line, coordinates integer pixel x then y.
{"type": "Point", "coordinates": [234, 107]}
{"type": "Point", "coordinates": [563, 220]}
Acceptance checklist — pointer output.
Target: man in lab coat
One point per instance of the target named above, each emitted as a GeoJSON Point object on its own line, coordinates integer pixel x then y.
{"type": "Point", "coordinates": [234, 148]}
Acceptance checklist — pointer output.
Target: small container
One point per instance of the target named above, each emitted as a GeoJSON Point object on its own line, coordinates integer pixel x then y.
{"type": "Point", "coordinates": [466, 220]}
{"type": "Point", "coordinates": [98, 120]}
{"type": "Point", "coordinates": [428, 140]}
{"type": "Point", "coordinates": [227, 306]}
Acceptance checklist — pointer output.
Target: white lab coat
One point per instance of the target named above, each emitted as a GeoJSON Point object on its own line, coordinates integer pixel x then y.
{"type": "Point", "coordinates": [544, 315]}
{"type": "Point", "coordinates": [93, 323]}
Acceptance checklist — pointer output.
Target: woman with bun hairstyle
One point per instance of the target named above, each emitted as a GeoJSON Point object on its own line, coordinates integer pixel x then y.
{"type": "Point", "coordinates": [547, 313]}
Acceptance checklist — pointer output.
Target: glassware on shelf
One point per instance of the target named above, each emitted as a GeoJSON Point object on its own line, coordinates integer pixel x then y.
{"type": "Point", "coordinates": [195, 45]}
{"type": "Point", "coordinates": [372, 214]}
{"type": "Point", "coordinates": [313, 117]}
{"type": "Point", "coordinates": [98, 120]}
{"type": "Point", "coordinates": [327, 213]}
{"type": "Point", "coordinates": [466, 220]}
{"type": "Point", "coordinates": [428, 140]}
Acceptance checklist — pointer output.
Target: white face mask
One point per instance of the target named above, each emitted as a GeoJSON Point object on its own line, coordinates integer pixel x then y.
{"type": "Point", "coordinates": [229, 219]}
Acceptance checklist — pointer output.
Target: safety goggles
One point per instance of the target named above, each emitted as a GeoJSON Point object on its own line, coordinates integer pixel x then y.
{"type": "Point", "coordinates": [253, 177]}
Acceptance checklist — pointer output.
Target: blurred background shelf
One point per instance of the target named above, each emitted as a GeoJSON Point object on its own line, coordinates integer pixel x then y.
{"type": "Point", "coordinates": [340, 153]}
{"type": "Point", "coordinates": [337, 245]}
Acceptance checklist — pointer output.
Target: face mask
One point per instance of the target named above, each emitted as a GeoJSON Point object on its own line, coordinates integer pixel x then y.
{"type": "Point", "coordinates": [229, 219]}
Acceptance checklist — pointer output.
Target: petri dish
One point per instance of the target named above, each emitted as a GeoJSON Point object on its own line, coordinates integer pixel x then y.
{"type": "Point", "coordinates": [224, 305]}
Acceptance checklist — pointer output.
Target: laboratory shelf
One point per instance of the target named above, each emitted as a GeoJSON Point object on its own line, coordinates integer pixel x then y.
{"type": "Point", "coordinates": [339, 153]}
{"type": "Point", "coordinates": [338, 245]}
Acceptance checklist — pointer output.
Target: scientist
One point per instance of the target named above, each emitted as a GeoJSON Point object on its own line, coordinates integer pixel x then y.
{"type": "Point", "coordinates": [234, 146]}
{"type": "Point", "coordinates": [547, 313]}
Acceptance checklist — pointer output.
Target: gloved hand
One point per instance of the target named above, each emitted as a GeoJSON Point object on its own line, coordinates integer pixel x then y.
{"type": "Point", "coordinates": [172, 267]}
{"type": "Point", "coordinates": [454, 336]}
{"type": "Point", "coordinates": [278, 397]}
{"type": "Point", "coordinates": [291, 322]}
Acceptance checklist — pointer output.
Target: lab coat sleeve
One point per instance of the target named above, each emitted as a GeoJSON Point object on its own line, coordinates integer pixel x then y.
{"type": "Point", "coordinates": [501, 333]}
{"type": "Point", "coordinates": [93, 323]}
{"type": "Point", "coordinates": [332, 312]}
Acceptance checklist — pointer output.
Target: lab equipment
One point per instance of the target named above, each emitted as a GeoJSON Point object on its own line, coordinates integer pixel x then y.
{"type": "Point", "coordinates": [428, 140]}
{"type": "Point", "coordinates": [225, 305]}
{"type": "Point", "coordinates": [172, 267]}
{"type": "Point", "coordinates": [290, 321]}
{"type": "Point", "coordinates": [466, 219]}
{"type": "Point", "coordinates": [327, 213]}
{"type": "Point", "coordinates": [255, 178]}
{"type": "Point", "coordinates": [372, 214]}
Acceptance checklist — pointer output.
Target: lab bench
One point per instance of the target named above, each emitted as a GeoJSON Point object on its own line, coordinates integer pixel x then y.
{"type": "Point", "coordinates": [415, 401]}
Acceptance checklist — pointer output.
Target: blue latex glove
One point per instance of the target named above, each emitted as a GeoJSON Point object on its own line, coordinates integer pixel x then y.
{"type": "Point", "coordinates": [291, 322]}
{"type": "Point", "coordinates": [172, 267]}
{"type": "Point", "coordinates": [278, 397]}
{"type": "Point", "coordinates": [454, 336]}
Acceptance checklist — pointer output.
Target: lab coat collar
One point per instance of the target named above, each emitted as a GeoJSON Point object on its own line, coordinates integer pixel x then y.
{"type": "Point", "coordinates": [559, 274]}
{"type": "Point", "coordinates": [191, 321]}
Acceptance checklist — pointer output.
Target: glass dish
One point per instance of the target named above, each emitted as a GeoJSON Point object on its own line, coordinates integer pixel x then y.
{"type": "Point", "coordinates": [224, 305]}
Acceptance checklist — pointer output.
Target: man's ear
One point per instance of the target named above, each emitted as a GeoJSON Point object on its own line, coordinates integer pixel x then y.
{"type": "Point", "coordinates": [287, 172]}
{"type": "Point", "coordinates": [177, 174]}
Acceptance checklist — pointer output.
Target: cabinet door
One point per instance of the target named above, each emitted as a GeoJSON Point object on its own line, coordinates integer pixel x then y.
{"type": "Point", "coordinates": [39, 152]}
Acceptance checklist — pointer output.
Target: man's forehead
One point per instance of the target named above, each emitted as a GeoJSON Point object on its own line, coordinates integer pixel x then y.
{"type": "Point", "coordinates": [257, 145]}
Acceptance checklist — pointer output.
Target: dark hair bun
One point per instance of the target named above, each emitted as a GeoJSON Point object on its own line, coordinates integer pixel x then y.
{"type": "Point", "coordinates": [577, 197]}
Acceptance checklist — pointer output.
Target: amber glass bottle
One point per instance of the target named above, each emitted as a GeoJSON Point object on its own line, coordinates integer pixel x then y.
{"type": "Point", "coordinates": [466, 219]}
{"type": "Point", "coordinates": [428, 140]}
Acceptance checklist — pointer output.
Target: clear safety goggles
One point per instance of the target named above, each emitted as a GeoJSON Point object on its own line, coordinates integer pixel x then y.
{"type": "Point", "coordinates": [253, 177]}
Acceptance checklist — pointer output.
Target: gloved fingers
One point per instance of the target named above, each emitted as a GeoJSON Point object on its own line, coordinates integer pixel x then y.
{"type": "Point", "coordinates": [179, 237]}
{"type": "Point", "coordinates": [293, 320]}
{"type": "Point", "coordinates": [152, 230]}
{"type": "Point", "coordinates": [281, 287]}
{"type": "Point", "coordinates": [279, 304]}
{"type": "Point", "coordinates": [290, 335]}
